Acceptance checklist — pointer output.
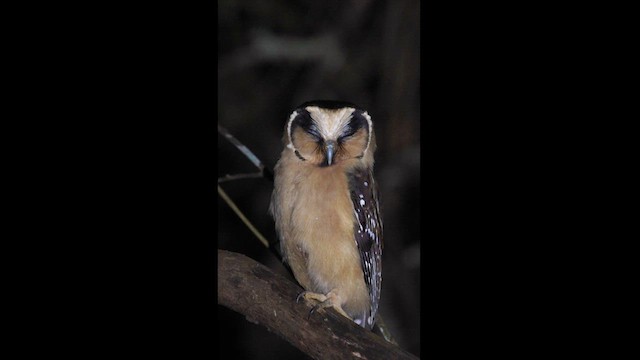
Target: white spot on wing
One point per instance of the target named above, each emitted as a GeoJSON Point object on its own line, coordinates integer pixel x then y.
{"type": "Point", "coordinates": [361, 202]}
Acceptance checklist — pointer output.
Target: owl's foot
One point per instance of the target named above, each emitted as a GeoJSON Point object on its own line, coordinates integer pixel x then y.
{"type": "Point", "coordinates": [330, 300]}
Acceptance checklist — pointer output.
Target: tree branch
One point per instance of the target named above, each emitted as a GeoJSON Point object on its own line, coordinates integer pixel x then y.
{"type": "Point", "coordinates": [267, 298]}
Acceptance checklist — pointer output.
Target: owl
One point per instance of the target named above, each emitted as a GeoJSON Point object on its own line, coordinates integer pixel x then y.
{"type": "Point", "coordinates": [326, 209]}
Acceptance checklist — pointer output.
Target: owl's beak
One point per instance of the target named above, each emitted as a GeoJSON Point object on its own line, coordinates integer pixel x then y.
{"type": "Point", "coordinates": [330, 149]}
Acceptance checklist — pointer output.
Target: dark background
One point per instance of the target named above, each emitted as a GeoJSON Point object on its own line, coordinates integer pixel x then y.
{"type": "Point", "coordinates": [275, 55]}
{"type": "Point", "coordinates": [516, 159]}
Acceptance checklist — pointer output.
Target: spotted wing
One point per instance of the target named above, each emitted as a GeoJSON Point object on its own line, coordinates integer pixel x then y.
{"type": "Point", "coordinates": [368, 236]}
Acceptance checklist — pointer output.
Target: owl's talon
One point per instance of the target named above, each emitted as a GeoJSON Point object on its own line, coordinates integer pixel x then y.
{"type": "Point", "coordinates": [325, 301]}
{"type": "Point", "coordinates": [308, 295]}
{"type": "Point", "coordinates": [313, 309]}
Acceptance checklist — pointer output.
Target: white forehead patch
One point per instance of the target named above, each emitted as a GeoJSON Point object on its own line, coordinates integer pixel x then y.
{"type": "Point", "coordinates": [330, 122]}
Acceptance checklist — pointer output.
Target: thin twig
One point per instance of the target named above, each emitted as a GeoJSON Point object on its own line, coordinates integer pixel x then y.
{"type": "Point", "coordinates": [245, 150]}
{"type": "Point", "coordinates": [239, 176]}
{"type": "Point", "coordinates": [244, 219]}
{"type": "Point", "coordinates": [264, 172]}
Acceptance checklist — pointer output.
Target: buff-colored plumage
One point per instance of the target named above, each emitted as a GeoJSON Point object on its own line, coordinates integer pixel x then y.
{"type": "Point", "coordinates": [313, 207]}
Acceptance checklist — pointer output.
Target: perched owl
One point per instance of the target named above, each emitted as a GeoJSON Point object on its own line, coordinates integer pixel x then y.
{"type": "Point", "coordinates": [325, 206]}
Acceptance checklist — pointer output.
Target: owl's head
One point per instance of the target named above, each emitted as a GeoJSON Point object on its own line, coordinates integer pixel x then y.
{"type": "Point", "coordinates": [327, 133]}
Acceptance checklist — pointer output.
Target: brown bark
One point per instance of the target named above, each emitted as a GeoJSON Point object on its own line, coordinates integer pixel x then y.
{"type": "Point", "coordinates": [269, 299]}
